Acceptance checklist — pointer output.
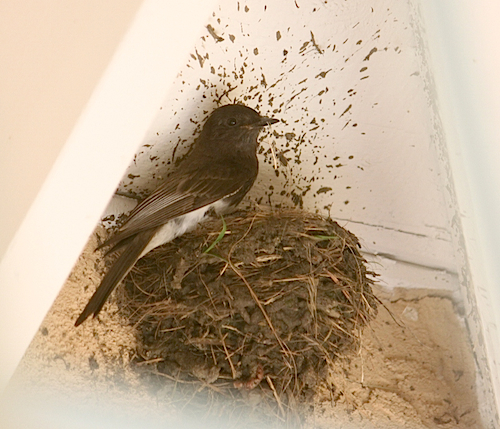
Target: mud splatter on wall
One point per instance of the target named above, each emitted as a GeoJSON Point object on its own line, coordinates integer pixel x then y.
{"type": "Point", "coordinates": [355, 137]}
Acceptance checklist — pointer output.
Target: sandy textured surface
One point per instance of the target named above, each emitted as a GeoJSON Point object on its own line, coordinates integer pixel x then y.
{"type": "Point", "coordinates": [416, 373]}
{"type": "Point", "coordinates": [413, 371]}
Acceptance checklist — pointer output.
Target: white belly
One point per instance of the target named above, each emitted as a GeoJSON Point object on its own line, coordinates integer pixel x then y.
{"type": "Point", "coordinates": [178, 226]}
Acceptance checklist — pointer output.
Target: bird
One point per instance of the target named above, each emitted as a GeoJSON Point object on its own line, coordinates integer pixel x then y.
{"type": "Point", "coordinates": [215, 175]}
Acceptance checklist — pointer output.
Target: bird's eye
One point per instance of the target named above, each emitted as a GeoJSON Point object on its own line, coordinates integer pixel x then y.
{"type": "Point", "coordinates": [231, 122]}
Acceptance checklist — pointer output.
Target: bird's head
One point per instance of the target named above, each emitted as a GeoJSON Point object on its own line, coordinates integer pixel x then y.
{"type": "Point", "coordinates": [234, 123]}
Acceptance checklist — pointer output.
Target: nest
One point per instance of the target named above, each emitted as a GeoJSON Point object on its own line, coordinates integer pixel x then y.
{"type": "Point", "coordinates": [264, 299]}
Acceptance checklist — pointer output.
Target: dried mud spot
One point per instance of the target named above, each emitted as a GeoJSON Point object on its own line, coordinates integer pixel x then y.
{"type": "Point", "coordinates": [261, 300]}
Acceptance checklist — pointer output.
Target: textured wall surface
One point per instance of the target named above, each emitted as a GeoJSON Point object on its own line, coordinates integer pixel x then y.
{"type": "Point", "coordinates": [346, 80]}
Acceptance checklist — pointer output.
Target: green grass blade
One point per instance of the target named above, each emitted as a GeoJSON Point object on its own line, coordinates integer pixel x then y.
{"type": "Point", "coordinates": [219, 237]}
{"type": "Point", "coordinates": [325, 237]}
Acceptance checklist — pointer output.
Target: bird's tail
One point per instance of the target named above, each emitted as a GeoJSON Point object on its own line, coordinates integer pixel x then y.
{"type": "Point", "coordinates": [116, 274]}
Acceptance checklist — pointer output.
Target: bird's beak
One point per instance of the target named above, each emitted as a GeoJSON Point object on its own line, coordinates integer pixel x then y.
{"type": "Point", "coordinates": [261, 122]}
{"type": "Point", "coordinates": [264, 120]}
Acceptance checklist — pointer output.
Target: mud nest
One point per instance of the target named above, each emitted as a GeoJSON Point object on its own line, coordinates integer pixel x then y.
{"type": "Point", "coordinates": [264, 299]}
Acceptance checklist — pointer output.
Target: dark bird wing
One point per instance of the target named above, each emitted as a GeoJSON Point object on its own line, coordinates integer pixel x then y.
{"type": "Point", "coordinates": [181, 194]}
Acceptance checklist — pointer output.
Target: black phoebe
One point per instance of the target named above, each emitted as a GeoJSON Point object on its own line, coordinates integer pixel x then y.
{"type": "Point", "coordinates": [217, 173]}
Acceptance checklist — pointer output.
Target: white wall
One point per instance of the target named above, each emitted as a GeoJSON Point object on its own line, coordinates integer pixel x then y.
{"type": "Point", "coordinates": [83, 177]}
{"type": "Point", "coordinates": [464, 50]}
{"type": "Point", "coordinates": [53, 54]}
{"type": "Point", "coordinates": [357, 124]}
